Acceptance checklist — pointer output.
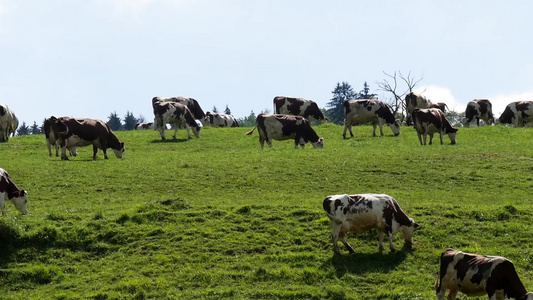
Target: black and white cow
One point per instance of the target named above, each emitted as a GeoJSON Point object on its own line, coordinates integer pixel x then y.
{"type": "Point", "coordinates": [144, 126]}
{"type": "Point", "coordinates": [52, 139]}
{"type": "Point", "coordinates": [517, 113]}
{"type": "Point", "coordinates": [298, 107]}
{"type": "Point", "coordinates": [284, 127]}
{"type": "Point", "coordinates": [7, 123]}
{"type": "Point", "coordinates": [191, 103]}
{"type": "Point", "coordinates": [166, 112]}
{"type": "Point", "coordinates": [477, 275]}
{"type": "Point", "coordinates": [431, 120]}
{"type": "Point", "coordinates": [219, 120]}
{"type": "Point", "coordinates": [81, 132]}
{"type": "Point", "coordinates": [413, 101]}
{"type": "Point", "coordinates": [11, 193]}
{"type": "Point", "coordinates": [369, 111]}
{"type": "Point", "coordinates": [478, 109]}
{"type": "Point", "coordinates": [362, 212]}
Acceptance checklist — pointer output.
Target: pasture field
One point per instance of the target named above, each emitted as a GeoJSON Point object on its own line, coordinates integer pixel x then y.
{"type": "Point", "coordinates": [216, 217]}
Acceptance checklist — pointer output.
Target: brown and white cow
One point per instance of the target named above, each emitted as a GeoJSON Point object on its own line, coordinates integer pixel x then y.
{"type": "Point", "coordinates": [440, 105]}
{"type": "Point", "coordinates": [362, 212]}
{"type": "Point", "coordinates": [144, 126]}
{"type": "Point", "coordinates": [52, 126]}
{"type": "Point", "coordinates": [191, 103]}
{"type": "Point", "coordinates": [369, 111]}
{"type": "Point", "coordinates": [478, 109]}
{"type": "Point", "coordinates": [10, 192]}
{"type": "Point", "coordinates": [413, 101]}
{"type": "Point", "coordinates": [7, 119]}
{"type": "Point", "coordinates": [431, 120]}
{"type": "Point", "coordinates": [219, 120]}
{"type": "Point", "coordinates": [81, 132]}
{"type": "Point", "coordinates": [284, 127]}
{"type": "Point", "coordinates": [167, 112]}
{"type": "Point", "coordinates": [298, 107]}
{"type": "Point", "coordinates": [477, 275]}
{"type": "Point", "coordinates": [517, 113]}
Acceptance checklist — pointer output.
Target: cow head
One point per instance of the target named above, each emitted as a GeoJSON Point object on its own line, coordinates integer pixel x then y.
{"type": "Point", "coordinates": [395, 127]}
{"type": "Point", "coordinates": [20, 199]}
{"type": "Point", "coordinates": [319, 143]}
{"type": "Point", "coordinates": [196, 130]}
{"type": "Point", "coordinates": [119, 152]}
{"type": "Point", "coordinates": [408, 231]}
{"type": "Point", "coordinates": [529, 296]}
{"type": "Point", "coordinates": [452, 135]}
{"type": "Point", "coordinates": [58, 126]}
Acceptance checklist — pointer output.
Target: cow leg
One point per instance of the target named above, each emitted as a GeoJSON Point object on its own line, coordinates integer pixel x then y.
{"type": "Point", "coordinates": [452, 295]}
{"type": "Point", "coordinates": [374, 124]}
{"type": "Point", "coordinates": [347, 127]}
{"type": "Point", "coordinates": [430, 139]}
{"type": "Point", "coordinates": [441, 137]}
{"type": "Point", "coordinates": [420, 138]}
{"type": "Point", "coordinates": [176, 131]}
{"type": "Point", "coordinates": [3, 203]}
{"type": "Point", "coordinates": [425, 139]}
{"type": "Point", "coordinates": [64, 152]}
{"type": "Point", "coordinates": [381, 234]}
{"type": "Point", "coordinates": [161, 130]}
{"type": "Point", "coordinates": [392, 248]}
{"type": "Point", "coordinates": [95, 150]}
{"type": "Point", "coordinates": [262, 142]}
{"type": "Point", "coordinates": [335, 230]}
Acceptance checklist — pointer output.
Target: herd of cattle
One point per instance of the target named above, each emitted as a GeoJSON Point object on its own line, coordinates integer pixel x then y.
{"type": "Point", "coordinates": [471, 274]}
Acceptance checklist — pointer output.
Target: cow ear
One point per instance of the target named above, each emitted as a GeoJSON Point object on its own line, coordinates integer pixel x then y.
{"type": "Point", "coordinates": [22, 193]}
{"type": "Point", "coordinates": [416, 225]}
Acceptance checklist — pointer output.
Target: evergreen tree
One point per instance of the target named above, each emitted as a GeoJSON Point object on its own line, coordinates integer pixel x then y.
{"type": "Point", "coordinates": [215, 110]}
{"type": "Point", "coordinates": [34, 129]}
{"type": "Point", "coordinates": [23, 129]}
{"type": "Point", "coordinates": [114, 121]}
{"type": "Point", "coordinates": [227, 111]}
{"type": "Point", "coordinates": [248, 121]}
{"type": "Point", "coordinates": [129, 121]}
{"type": "Point", "coordinates": [342, 92]}
{"type": "Point", "coordinates": [365, 93]}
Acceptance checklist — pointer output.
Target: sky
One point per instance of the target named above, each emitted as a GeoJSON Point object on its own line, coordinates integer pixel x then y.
{"type": "Point", "coordinates": [90, 58]}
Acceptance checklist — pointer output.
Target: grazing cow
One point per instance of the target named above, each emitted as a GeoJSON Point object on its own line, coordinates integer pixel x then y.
{"type": "Point", "coordinates": [175, 113]}
{"type": "Point", "coordinates": [10, 192]}
{"type": "Point", "coordinates": [362, 212]}
{"type": "Point", "coordinates": [220, 120]}
{"type": "Point", "coordinates": [7, 118]}
{"type": "Point", "coordinates": [517, 113]}
{"type": "Point", "coordinates": [82, 132]}
{"type": "Point", "coordinates": [298, 107]}
{"type": "Point", "coordinates": [431, 120]}
{"type": "Point", "coordinates": [14, 125]}
{"type": "Point", "coordinates": [284, 127]}
{"type": "Point", "coordinates": [191, 104]}
{"type": "Point", "coordinates": [52, 139]}
{"type": "Point", "coordinates": [366, 111]}
{"type": "Point", "coordinates": [413, 101]}
{"type": "Point", "coordinates": [477, 275]}
{"type": "Point", "coordinates": [440, 105]}
{"type": "Point", "coordinates": [478, 109]}
{"type": "Point", "coordinates": [144, 126]}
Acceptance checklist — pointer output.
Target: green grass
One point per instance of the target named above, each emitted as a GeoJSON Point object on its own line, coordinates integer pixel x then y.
{"type": "Point", "coordinates": [216, 217]}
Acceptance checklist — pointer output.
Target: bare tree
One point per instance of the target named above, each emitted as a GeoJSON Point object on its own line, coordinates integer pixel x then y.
{"type": "Point", "coordinates": [392, 86]}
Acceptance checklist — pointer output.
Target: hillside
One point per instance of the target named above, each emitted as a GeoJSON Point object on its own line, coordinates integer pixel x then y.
{"type": "Point", "coordinates": [216, 217]}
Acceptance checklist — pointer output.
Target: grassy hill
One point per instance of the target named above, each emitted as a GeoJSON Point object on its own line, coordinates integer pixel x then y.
{"type": "Point", "coordinates": [216, 217]}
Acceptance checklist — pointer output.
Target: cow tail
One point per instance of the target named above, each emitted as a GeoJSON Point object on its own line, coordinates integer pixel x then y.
{"type": "Point", "coordinates": [251, 131]}
{"type": "Point", "coordinates": [437, 285]}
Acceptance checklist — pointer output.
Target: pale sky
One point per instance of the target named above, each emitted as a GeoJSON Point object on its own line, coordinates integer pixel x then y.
{"type": "Point", "coordinates": [89, 58]}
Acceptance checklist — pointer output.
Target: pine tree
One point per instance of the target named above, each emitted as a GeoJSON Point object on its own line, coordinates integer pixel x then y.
{"type": "Point", "coordinates": [342, 92]}
{"type": "Point", "coordinates": [215, 110]}
{"type": "Point", "coordinates": [227, 111]}
{"type": "Point", "coordinates": [23, 129]}
{"type": "Point", "coordinates": [364, 94]}
{"type": "Point", "coordinates": [129, 121]}
{"type": "Point", "coordinates": [34, 129]}
{"type": "Point", "coordinates": [114, 121]}
{"type": "Point", "coordinates": [248, 121]}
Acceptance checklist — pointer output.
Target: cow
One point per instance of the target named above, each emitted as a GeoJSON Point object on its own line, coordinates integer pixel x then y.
{"type": "Point", "coordinates": [52, 139]}
{"type": "Point", "coordinates": [144, 126]}
{"type": "Point", "coordinates": [219, 120]}
{"type": "Point", "coordinates": [10, 192]}
{"type": "Point", "coordinates": [440, 105]}
{"type": "Point", "coordinates": [284, 127]}
{"type": "Point", "coordinates": [369, 111]}
{"type": "Point", "coordinates": [517, 113]}
{"type": "Point", "coordinates": [175, 113]}
{"type": "Point", "coordinates": [191, 103]}
{"type": "Point", "coordinates": [413, 101]}
{"type": "Point", "coordinates": [7, 117]}
{"type": "Point", "coordinates": [298, 107]}
{"type": "Point", "coordinates": [431, 120]}
{"type": "Point", "coordinates": [477, 275]}
{"type": "Point", "coordinates": [14, 125]}
{"type": "Point", "coordinates": [478, 109]}
{"type": "Point", "coordinates": [361, 212]}
{"type": "Point", "coordinates": [81, 132]}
